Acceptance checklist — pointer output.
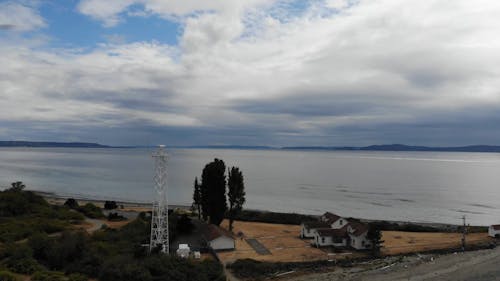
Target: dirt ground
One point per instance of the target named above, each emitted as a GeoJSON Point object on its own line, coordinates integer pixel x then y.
{"type": "Point", "coordinates": [479, 265]}
{"type": "Point", "coordinates": [281, 240]}
{"type": "Point", "coordinates": [399, 242]}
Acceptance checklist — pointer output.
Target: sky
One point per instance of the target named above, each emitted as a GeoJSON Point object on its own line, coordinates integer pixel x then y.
{"type": "Point", "coordinates": [254, 72]}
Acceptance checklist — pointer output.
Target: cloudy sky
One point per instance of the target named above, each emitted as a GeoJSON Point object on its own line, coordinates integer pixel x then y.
{"type": "Point", "coordinates": [254, 72]}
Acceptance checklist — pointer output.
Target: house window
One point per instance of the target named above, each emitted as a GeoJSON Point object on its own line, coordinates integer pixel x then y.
{"type": "Point", "coordinates": [340, 222]}
{"type": "Point", "coordinates": [322, 239]}
{"type": "Point", "coordinates": [363, 243]}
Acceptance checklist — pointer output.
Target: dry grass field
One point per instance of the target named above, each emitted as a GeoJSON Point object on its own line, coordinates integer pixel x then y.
{"type": "Point", "coordinates": [280, 239]}
{"type": "Point", "coordinates": [399, 242]}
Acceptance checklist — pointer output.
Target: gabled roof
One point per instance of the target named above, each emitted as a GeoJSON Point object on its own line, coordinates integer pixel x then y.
{"type": "Point", "coordinates": [315, 224]}
{"type": "Point", "coordinates": [330, 217]}
{"type": "Point", "coordinates": [213, 232]}
{"type": "Point", "coordinates": [329, 232]}
{"type": "Point", "coordinates": [358, 228]}
{"type": "Point", "coordinates": [496, 226]}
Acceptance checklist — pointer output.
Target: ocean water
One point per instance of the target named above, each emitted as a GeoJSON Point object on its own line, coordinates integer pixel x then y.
{"type": "Point", "coordinates": [404, 186]}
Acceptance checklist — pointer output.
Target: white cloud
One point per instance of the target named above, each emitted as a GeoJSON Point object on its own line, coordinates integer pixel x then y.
{"type": "Point", "coordinates": [106, 11]}
{"type": "Point", "coordinates": [243, 66]}
{"type": "Point", "coordinates": [18, 17]}
{"type": "Point", "coordinates": [110, 11]}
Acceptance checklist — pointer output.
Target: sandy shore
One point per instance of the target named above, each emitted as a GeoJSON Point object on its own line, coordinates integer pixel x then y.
{"type": "Point", "coordinates": [126, 206]}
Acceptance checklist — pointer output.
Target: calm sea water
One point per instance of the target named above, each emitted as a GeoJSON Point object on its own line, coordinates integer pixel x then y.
{"type": "Point", "coordinates": [407, 186]}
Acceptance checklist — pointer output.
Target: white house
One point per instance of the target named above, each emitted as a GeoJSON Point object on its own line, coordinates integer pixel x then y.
{"type": "Point", "coordinates": [218, 238]}
{"type": "Point", "coordinates": [494, 230]}
{"type": "Point", "coordinates": [358, 236]}
{"type": "Point", "coordinates": [331, 237]}
{"type": "Point", "coordinates": [336, 231]}
{"type": "Point", "coordinates": [308, 229]}
{"type": "Point", "coordinates": [335, 221]}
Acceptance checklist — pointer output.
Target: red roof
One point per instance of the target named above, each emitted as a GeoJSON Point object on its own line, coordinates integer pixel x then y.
{"type": "Point", "coordinates": [331, 218]}
{"type": "Point", "coordinates": [315, 224]}
{"type": "Point", "coordinates": [358, 228]}
{"type": "Point", "coordinates": [330, 232]}
{"type": "Point", "coordinates": [213, 232]}
{"type": "Point", "coordinates": [496, 226]}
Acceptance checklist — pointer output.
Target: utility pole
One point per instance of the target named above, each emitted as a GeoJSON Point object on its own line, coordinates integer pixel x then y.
{"type": "Point", "coordinates": [464, 233]}
{"type": "Point", "coordinates": [159, 217]}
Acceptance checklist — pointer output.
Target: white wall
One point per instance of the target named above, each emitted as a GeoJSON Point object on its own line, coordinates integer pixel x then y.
{"type": "Point", "coordinates": [492, 232]}
{"type": "Point", "coordinates": [322, 241]}
{"type": "Point", "coordinates": [328, 241]}
{"type": "Point", "coordinates": [360, 242]}
{"type": "Point", "coordinates": [222, 243]}
{"type": "Point", "coordinates": [339, 223]}
{"type": "Point", "coordinates": [307, 233]}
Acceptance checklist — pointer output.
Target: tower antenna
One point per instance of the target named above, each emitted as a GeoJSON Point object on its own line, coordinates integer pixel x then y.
{"type": "Point", "coordinates": [159, 218]}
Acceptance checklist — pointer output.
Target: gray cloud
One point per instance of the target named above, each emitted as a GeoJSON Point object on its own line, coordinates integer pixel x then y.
{"type": "Point", "coordinates": [365, 72]}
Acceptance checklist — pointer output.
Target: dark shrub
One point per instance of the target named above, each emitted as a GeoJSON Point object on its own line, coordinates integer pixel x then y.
{"type": "Point", "coordinates": [23, 265]}
{"type": "Point", "coordinates": [92, 211]}
{"type": "Point", "coordinates": [7, 276]}
{"type": "Point", "coordinates": [116, 217]}
{"type": "Point", "coordinates": [124, 269]}
{"type": "Point", "coordinates": [48, 276]}
{"type": "Point", "coordinates": [110, 205]}
{"type": "Point", "coordinates": [71, 203]}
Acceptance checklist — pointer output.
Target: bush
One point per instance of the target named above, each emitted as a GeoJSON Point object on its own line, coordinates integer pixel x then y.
{"type": "Point", "coordinates": [40, 244]}
{"type": "Point", "coordinates": [7, 276]}
{"type": "Point", "coordinates": [69, 248]}
{"type": "Point", "coordinates": [15, 203]}
{"type": "Point", "coordinates": [77, 277]}
{"type": "Point", "coordinates": [184, 224]}
{"type": "Point", "coordinates": [48, 276]}
{"type": "Point", "coordinates": [92, 211]}
{"type": "Point", "coordinates": [116, 217]}
{"type": "Point", "coordinates": [273, 217]}
{"type": "Point", "coordinates": [110, 205]}
{"type": "Point", "coordinates": [23, 265]}
{"type": "Point", "coordinates": [164, 267]}
{"type": "Point", "coordinates": [71, 203]}
{"type": "Point", "coordinates": [124, 269]}
{"type": "Point", "coordinates": [252, 269]}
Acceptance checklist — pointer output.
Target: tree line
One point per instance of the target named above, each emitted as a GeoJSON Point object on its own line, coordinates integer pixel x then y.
{"type": "Point", "coordinates": [209, 196]}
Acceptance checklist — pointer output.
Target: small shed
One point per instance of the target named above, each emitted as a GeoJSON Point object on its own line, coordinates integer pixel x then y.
{"type": "Point", "coordinates": [494, 230]}
{"type": "Point", "coordinates": [183, 251]}
{"type": "Point", "coordinates": [219, 239]}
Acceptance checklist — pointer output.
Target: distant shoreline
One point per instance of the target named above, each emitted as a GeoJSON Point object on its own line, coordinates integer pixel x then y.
{"type": "Point", "coordinates": [143, 206]}
{"type": "Point", "coordinates": [383, 147]}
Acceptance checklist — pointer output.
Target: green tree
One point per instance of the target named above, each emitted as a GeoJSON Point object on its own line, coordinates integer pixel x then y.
{"type": "Point", "coordinates": [71, 203]}
{"type": "Point", "coordinates": [197, 196]}
{"type": "Point", "coordinates": [236, 193]}
{"type": "Point", "coordinates": [213, 191]}
{"type": "Point", "coordinates": [17, 186]}
{"type": "Point", "coordinates": [110, 205]}
{"type": "Point", "coordinates": [375, 236]}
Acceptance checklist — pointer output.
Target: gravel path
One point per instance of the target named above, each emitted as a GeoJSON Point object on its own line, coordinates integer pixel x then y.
{"type": "Point", "coordinates": [476, 265]}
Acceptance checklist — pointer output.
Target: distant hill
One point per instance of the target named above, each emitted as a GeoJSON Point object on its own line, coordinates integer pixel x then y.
{"type": "Point", "coordinates": [402, 147]}
{"type": "Point", "coordinates": [256, 147]}
{"type": "Point", "coordinates": [50, 144]}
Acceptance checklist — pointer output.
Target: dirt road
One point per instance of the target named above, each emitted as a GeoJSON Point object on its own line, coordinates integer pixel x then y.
{"type": "Point", "coordinates": [477, 265]}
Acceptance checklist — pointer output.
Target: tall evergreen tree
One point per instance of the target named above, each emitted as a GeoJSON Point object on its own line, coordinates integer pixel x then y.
{"type": "Point", "coordinates": [236, 193]}
{"type": "Point", "coordinates": [213, 191]}
{"type": "Point", "coordinates": [197, 196]}
{"type": "Point", "coordinates": [375, 236]}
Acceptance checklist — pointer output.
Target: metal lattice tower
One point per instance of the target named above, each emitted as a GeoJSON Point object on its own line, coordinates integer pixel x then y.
{"type": "Point", "coordinates": [159, 218]}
